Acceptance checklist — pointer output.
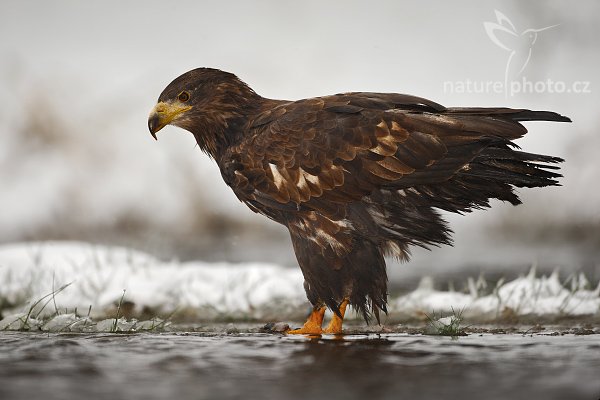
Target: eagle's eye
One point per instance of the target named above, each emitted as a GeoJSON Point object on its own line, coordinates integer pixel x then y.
{"type": "Point", "coordinates": [183, 97]}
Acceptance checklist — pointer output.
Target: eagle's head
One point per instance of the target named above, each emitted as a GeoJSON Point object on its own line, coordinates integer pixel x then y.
{"type": "Point", "coordinates": [208, 102]}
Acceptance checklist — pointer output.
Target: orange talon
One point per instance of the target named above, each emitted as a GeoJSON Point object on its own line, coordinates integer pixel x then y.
{"type": "Point", "coordinates": [335, 326]}
{"type": "Point", "coordinates": [312, 326]}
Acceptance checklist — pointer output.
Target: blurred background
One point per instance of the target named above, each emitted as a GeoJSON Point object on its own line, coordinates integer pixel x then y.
{"type": "Point", "coordinates": [77, 80]}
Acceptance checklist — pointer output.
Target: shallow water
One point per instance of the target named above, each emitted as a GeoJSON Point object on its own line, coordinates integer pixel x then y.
{"type": "Point", "coordinates": [264, 366]}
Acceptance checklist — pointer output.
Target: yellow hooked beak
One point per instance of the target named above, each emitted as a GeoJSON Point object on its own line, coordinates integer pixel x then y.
{"type": "Point", "coordinates": [162, 114]}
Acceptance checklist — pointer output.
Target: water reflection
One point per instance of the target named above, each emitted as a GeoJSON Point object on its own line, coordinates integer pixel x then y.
{"type": "Point", "coordinates": [394, 366]}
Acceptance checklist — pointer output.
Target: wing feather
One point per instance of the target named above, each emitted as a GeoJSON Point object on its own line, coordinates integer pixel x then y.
{"type": "Point", "coordinates": [323, 153]}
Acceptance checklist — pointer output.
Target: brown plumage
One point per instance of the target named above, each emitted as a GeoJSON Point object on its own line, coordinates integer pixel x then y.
{"type": "Point", "coordinates": [354, 176]}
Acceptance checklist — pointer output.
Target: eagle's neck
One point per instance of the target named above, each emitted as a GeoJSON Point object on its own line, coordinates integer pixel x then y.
{"type": "Point", "coordinates": [219, 132]}
{"type": "Point", "coordinates": [224, 123]}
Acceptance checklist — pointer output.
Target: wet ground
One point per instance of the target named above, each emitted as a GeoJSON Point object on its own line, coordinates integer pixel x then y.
{"type": "Point", "coordinates": [271, 366]}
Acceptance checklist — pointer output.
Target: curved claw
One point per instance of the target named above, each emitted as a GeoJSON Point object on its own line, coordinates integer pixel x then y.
{"type": "Point", "coordinates": [305, 331]}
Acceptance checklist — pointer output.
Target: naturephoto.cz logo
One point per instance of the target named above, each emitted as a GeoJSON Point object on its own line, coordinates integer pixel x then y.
{"type": "Point", "coordinates": [519, 46]}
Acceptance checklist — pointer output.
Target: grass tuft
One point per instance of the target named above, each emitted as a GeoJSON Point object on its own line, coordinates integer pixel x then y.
{"type": "Point", "coordinates": [445, 326]}
{"type": "Point", "coordinates": [114, 327]}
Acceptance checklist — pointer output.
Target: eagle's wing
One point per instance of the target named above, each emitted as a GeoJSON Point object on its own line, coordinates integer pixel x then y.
{"type": "Point", "coordinates": [321, 154]}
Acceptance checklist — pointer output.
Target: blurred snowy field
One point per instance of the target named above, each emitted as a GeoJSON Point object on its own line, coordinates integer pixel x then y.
{"type": "Point", "coordinates": [101, 279]}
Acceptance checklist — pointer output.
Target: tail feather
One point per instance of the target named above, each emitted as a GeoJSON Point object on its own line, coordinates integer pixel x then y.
{"type": "Point", "coordinates": [505, 165]}
{"type": "Point", "coordinates": [513, 114]}
{"type": "Point", "coordinates": [503, 154]}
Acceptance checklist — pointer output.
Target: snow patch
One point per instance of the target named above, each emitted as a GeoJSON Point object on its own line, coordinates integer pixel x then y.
{"type": "Point", "coordinates": [98, 277]}
{"type": "Point", "coordinates": [526, 295]}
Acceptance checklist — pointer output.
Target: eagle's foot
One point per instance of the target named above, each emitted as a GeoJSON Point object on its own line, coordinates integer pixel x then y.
{"type": "Point", "coordinates": [312, 326]}
{"type": "Point", "coordinates": [335, 325]}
